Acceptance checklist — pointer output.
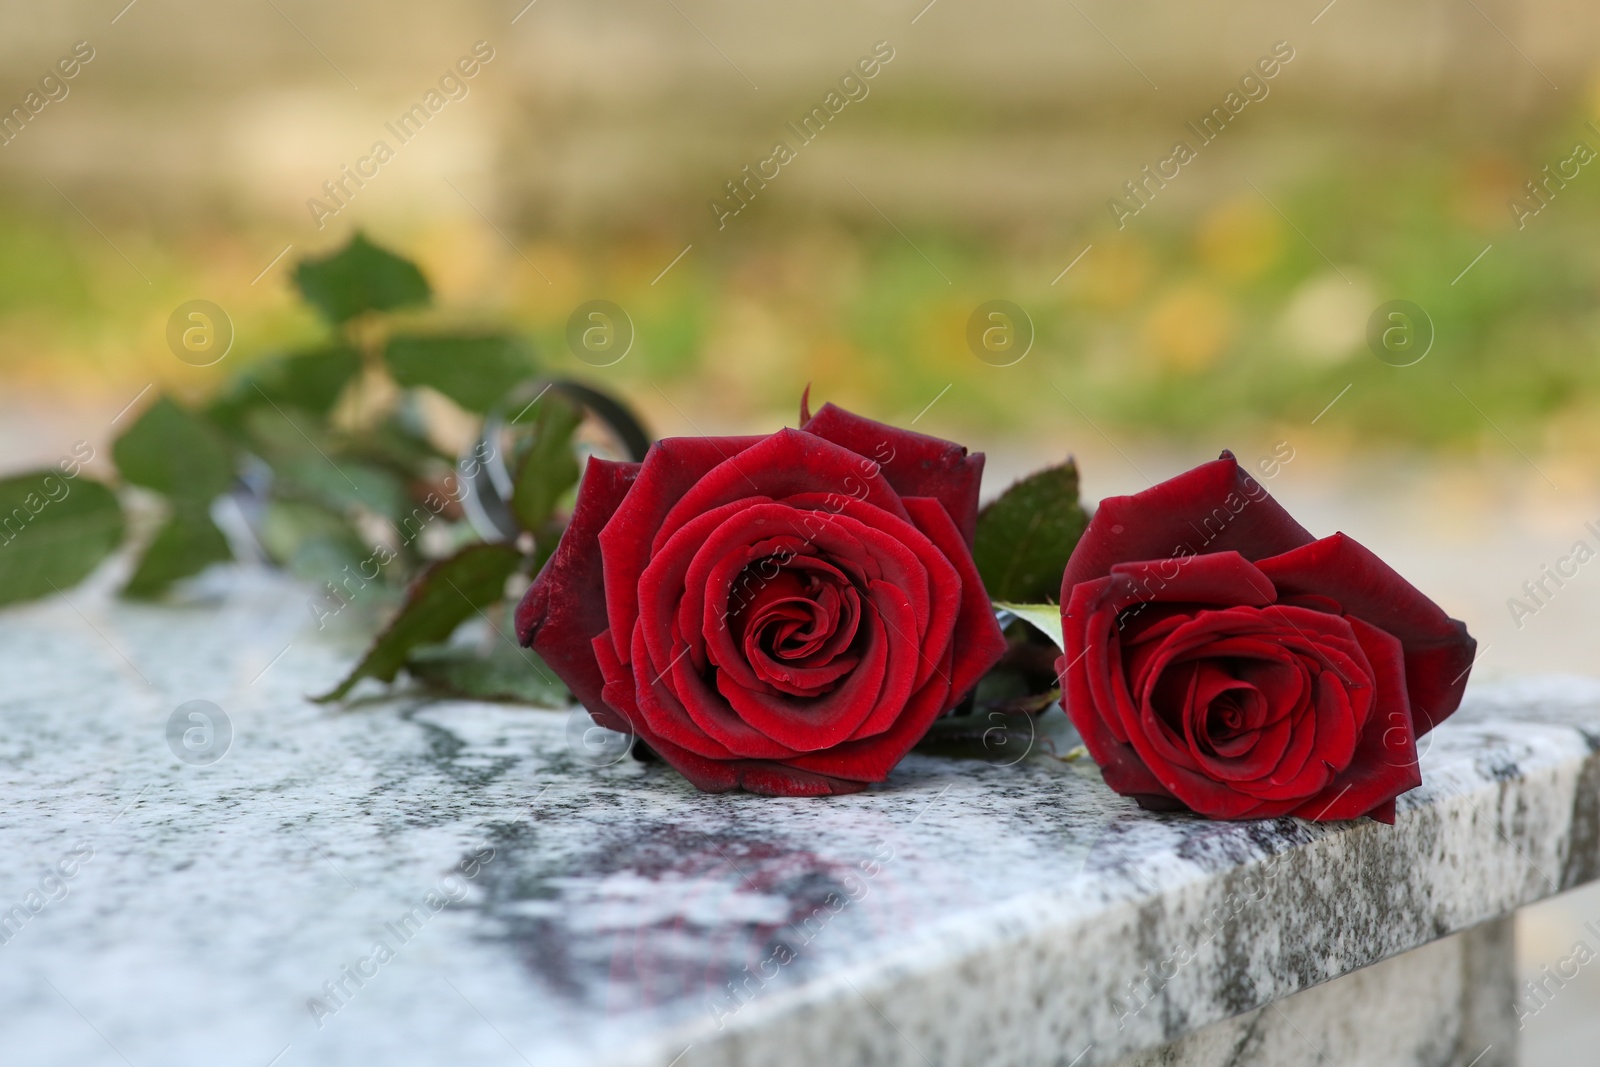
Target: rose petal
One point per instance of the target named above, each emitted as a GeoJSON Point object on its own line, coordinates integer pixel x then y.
{"type": "Point", "coordinates": [783, 465]}
{"type": "Point", "coordinates": [1384, 763]}
{"type": "Point", "coordinates": [883, 679]}
{"type": "Point", "coordinates": [1438, 650]}
{"type": "Point", "coordinates": [670, 469]}
{"type": "Point", "coordinates": [981, 642]}
{"type": "Point", "coordinates": [893, 549]}
{"type": "Point", "coordinates": [1090, 656]}
{"type": "Point", "coordinates": [871, 759]}
{"type": "Point", "coordinates": [564, 610]}
{"type": "Point", "coordinates": [712, 775]}
{"type": "Point", "coordinates": [678, 704]}
{"type": "Point", "coordinates": [914, 464]}
{"type": "Point", "coordinates": [1216, 507]}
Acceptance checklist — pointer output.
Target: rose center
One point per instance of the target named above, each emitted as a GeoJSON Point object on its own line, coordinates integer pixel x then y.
{"type": "Point", "coordinates": [796, 621]}
{"type": "Point", "coordinates": [1233, 712]}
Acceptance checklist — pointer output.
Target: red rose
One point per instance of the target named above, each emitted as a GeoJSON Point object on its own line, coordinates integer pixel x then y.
{"type": "Point", "coordinates": [1220, 658]}
{"type": "Point", "coordinates": [786, 613]}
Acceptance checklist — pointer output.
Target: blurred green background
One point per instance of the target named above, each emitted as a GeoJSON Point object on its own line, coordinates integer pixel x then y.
{"type": "Point", "coordinates": [583, 158]}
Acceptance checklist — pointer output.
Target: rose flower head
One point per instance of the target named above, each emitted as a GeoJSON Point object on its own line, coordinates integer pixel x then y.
{"type": "Point", "coordinates": [1219, 658]}
{"type": "Point", "coordinates": [784, 613]}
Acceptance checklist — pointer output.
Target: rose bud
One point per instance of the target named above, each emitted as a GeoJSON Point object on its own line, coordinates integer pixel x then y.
{"type": "Point", "coordinates": [787, 614]}
{"type": "Point", "coordinates": [1219, 658]}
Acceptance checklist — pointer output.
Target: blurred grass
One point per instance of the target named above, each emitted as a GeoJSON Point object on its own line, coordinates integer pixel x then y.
{"type": "Point", "coordinates": [1176, 326]}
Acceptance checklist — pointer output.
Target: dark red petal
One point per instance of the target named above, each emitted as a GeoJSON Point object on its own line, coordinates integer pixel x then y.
{"type": "Point", "coordinates": [1341, 696]}
{"type": "Point", "coordinates": [1091, 654]}
{"type": "Point", "coordinates": [1218, 579]}
{"type": "Point", "coordinates": [670, 469]}
{"type": "Point", "coordinates": [901, 564]}
{"type": "Point", "coordinates": [710, 775]}
{"type": "Point", "coordinates": [565, 608]}
{"type": "Point", "coordinates": [883, 680]}
{"type": "Point", "coordinates": [794, 645]}
{"type": "Point", "coordinates": [1093, 629]}
{"type": "Point", "coordinates": [913, 463]}
{"type": "Point", "coordinates": [1385, 761]}
{"type": "Point", "coordinates": [785, 780]}
{"type": "Point", "coordinates": [1383, 813]}
{"type": "Point", "coordinates": [662, 590]}
{"type": "Point", "coordinates": [786, 464]}
{"type": "Point", "coordinates": [871, 759]}
{"type": "Point", "coordinates": [677, 703]}
{"type": "Point", "coordinates": [717, 590]}
{"type": "Point", "coordinates": [978, 642]}
{"type": "Point", "coordinates": [1216, 507]}
{"type": "Point", "coordinates": [1438, 650]}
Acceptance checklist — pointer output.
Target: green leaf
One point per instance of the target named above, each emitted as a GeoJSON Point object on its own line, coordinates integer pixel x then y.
{"type": "Point", "coordinates": [1025, 536]}
{"type": "Point", "coordinates": [505, 673]}
{"type": "Point", "coordinates": [342, 484]}
{"type": "Point", "coordinates": [53, 531]}
{"type": "Point", "coordinates": [992, 736]}
{"type": "Point", "coordinates": [360, 277]}
{"type": "Point", "coordinates": [309, 464]}
{"type": "Point", "coordinates": [171, 451]}
{"type": "Point", "coordinates": [440, 599]}
{"type": "Point", "coordinates": [310, 381]}
{"type": "Point", "coordinates": [474, 370]}
{"type": "Point", "coordinates": [308, 540]}
{"type": "Point", "coordinates": [399, 446]}
{"type": "Point", "coordinates": [186, 545]}
{"type": "Point", "coordinates": [550, 467]}
{"type": "Point", "coordinates": [1046, 618]}
{"type": "Point", "coordinates": [281, 434]}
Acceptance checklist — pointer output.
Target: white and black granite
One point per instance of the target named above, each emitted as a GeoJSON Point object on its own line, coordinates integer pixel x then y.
{"type": "Point", "coordinates": [966, 912]}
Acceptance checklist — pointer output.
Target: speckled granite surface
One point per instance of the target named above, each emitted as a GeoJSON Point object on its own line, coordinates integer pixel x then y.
{"type": "Point", "coordinates": [962, 913]}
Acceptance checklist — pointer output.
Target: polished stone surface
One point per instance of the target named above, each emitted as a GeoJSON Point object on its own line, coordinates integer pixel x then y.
{"type": "Point", "coordinates": [997, 912]}
{"type": "Point", "coordinates": [1446, 1004]}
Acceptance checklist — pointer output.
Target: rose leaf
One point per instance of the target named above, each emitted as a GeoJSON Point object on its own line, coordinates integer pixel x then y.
{"type": "Point", "coordinates": [1026, 534]}
{"type": "Point", "coordinates": [175, 453]}
{"type": "Point", "coordinates": [308, 540]}
{"type": "Point", "coordinates": [50, 541]}
{"type": "Point", "coordinates": [507, 673]}
{"type": "Point", "coordinates": [444, 595]}
{"type": "Point", "coordinates": [1046, 618]}
{"type": "Point", "coordinates": [474, 370]}
{"type": "Point", "coordinates": [185, 545]}
{"type": "Point", "coordinates": [310, 381]}
{"type": "Point", "coordinates": [360, 277]}
{"type": "Point", "coordinates": [549, 468]}
{"type": "Point", "coordinates": [995, 737]}
{"type": "Point", "coordinates": [341, 485]}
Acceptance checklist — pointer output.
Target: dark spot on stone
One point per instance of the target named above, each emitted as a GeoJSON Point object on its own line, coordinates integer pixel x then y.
{"type": "Point", "coordinates": [718, 909]}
